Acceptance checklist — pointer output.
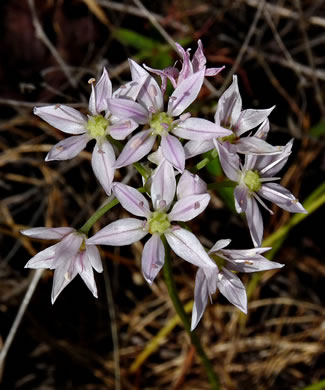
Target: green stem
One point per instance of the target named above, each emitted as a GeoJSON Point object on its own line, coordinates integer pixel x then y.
{"type": "Point", "coordinates": [97, 214]}
{"type": "Point", "coordinates": [214, 382]}
{"type": "Point", "coordinates": [222, 184]}
{"type": "Point", "coordinates": [201, 164]}
{"type": "Point", "coordinates": [100, 212]}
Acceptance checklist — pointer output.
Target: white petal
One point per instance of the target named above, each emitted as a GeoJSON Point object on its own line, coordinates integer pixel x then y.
{"type": "Point", "coordinates": [99, 94]}
{"type": "Point", "coordinates": [131, 200]}
{"type": "Point", "coordinates": [188, 247]}
{"type": "Point", "coordinates": [94, 257]}
{"type": "Point", "coordinates": [254, 145]}
{"type": "Point", "coordinates": [153, 258]}
{"type": "Point", "coordinates": [229, 105]}
{"type": "Point", "coordinates": [252, 265]}
{"type": "Point", "coordinates": [173, 151]}
{"type": "Point", "coordinates": [233, 289]}
{"type": "Point", "coordinates": [43, 259]}
{"type": "Point", "coordinates": [201, 295]}
{"type": "Point", "coordinates": [150, 94]}
{"type": "Point", "coordinates": [63, 275]}
{"type": "Point", "coordinates": [189, 207]}
{"type": "Point", "coordinates": [241, 195]}
{"type": "Point", "coordinates": [122, 232]}
{"type": "Point", "coordinates": [68, 148]}
{"type": "Point", "coordinates": [67, 249]}
{"type": "Point", "coordinates": [48, 233]}
{"type": "Point", "coordinates": [131, 89]}
{"type": "Point", "coordinates": [248, 119]}
{"type": "Point", "coordinates": [219, 245]}
{"type": "Point", "coordinates": [281, 197]}
{"type": "Point", "coordinates": [102, 161]}
{"type": "Point", "coordinates": [63, 117]}
{"type": "Point", "coordinates": [136, 148]}
{"type": "Point", "coordinates": [128, 109]}
{"type": "Point", "coordinates": [185, 93]}
{"type": "Point", "coordinates": [199, 129]}
{"type": "Point", "coordinates": [263, 130]}
{"type": "Point", "coordinates": [254, 220]}
{"type": "Point", "coordinates": [190, 184]}
{"type": "Point", "coordinates": [86, 272]}
{"type": "Point", "coordinates": [229, 161]}
{"type": "Point", "coordinates": [270, 165]}
{"type": "Point", "coordinates": [194, 148]}
{"type": "Point", "coordinates": [122, 128]}
{"type": "Point", "coordinates": [163, 185]}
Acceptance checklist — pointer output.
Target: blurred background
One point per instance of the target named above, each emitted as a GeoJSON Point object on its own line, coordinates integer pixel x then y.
{"type": "Point", "coordinates": [49, 49]}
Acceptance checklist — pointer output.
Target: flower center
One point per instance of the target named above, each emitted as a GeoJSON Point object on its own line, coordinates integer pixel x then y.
{"type": "Point", "coordinates": [252, 180]}
{"type": "Point", "coordinates": [161, 123]}
{"type": "Point", "coordinates": [158, 222]}
{"type": "Point", "coordinates": [97, 125]}
{"type": "Point", "coordinates": [230, 138]}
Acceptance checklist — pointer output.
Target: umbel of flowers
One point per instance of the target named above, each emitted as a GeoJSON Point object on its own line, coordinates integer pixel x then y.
{"type": "Point", "coordinates": [142, 118]}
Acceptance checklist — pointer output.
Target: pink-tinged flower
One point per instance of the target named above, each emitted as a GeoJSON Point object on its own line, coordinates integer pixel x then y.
{"type": "Point", "coordinates": [162, 123]}
{"type": "Point", "coordinates": [228, 260]}
{"type": "Point", "coordinates": [98, 125]}
{"type": "Point", "coordinates": [255, 182]}
{"type": "Point", "coordinates": [71, 256]}
{"type": "Point", "coordinates": [189, 67]}
{"type": "Point", "coordinates": [157, 223]}
{"type": "Point", "coordinates": [229, 115]}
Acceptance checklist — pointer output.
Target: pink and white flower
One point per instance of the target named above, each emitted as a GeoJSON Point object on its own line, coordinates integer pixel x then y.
{"type": "Point", "coordinates": [254, 180]}
{"type": "Point", "coordinates": [157, 223]}
{"type": "Point", "coordinates": [228, 283]}
{"type": "Point", "coordinates": [189, 67]}
{"type": "Point", "coordinates": [164, 124]}
{"type": "Point", "coordinates": [229, 115]}
{"type": "Point", "coordinates": [71, 256]}
{"type": "Point", "coordinates": [100, 124]}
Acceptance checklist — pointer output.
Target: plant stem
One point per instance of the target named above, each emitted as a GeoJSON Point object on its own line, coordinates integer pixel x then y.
{"type": "Point", "coordinates": [98, 214]}
{"type": "Point", "coordinates": [214, 382]}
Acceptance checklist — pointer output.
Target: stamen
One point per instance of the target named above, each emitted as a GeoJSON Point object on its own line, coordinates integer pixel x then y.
{"type": "Point", "coordinates": [266, 179]}
{"type": "Point", "coordinates": [162, 204]}
{"type": "Point", "coordinates": [91, 81]}
{"type": "Point", "coordinates": [265, 169]}
{"type": "Point", "coordinates": [262, 203]}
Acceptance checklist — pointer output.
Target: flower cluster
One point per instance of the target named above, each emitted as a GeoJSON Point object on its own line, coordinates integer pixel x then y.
{"type": "Point", "coordinates": [171, 194]}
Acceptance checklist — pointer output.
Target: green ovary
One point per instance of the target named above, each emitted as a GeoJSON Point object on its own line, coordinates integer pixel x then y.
{"type": "Point", "coordinates": [230, 138]}
{"type": "Point", "coordinates": [157, 120]}
{"type": "Point", "coordinates": [97, 126]}
{"type": "Point", "coordinates": [252, 180]}
{"type": "Point", "coordinates": [218, 260]}
{"type": "Point", "coordinates": [158, 223]}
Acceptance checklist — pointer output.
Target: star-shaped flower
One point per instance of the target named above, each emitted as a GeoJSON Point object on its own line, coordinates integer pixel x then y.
{"type": "Point", "coordinates": [71, 256]}
{"type": "Point", "coordinates": [158, 222]}
{"type": "Point", "coordinates": [97, 126]}
{"type": "Point", "coordinates": [228, 283]}
{"type": "Point", "coordinates": [254, 180]}
{"type": "Point", "coordinates": [162, 123]}
{"type": "Point", "coordinates": [229, 115]}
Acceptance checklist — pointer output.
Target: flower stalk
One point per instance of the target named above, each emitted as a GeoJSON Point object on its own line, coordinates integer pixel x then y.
{"type": "Point", "coordinates": [172, 291]}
